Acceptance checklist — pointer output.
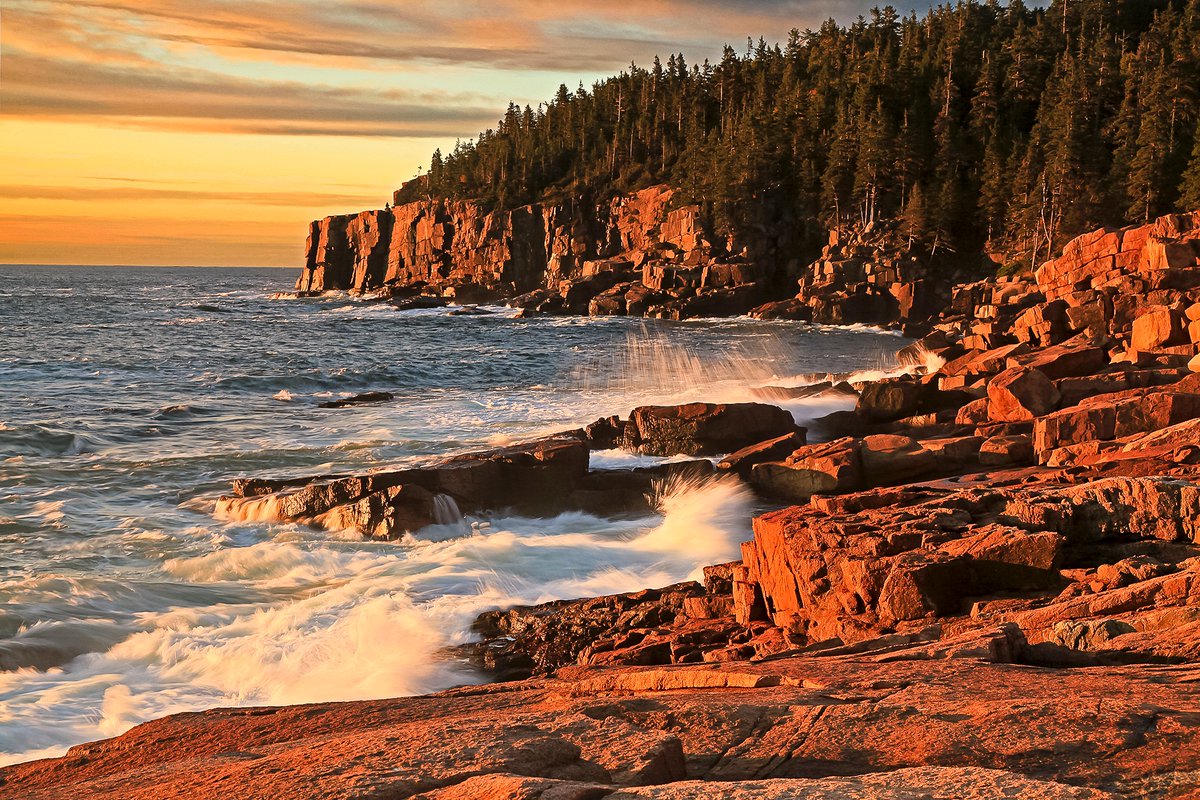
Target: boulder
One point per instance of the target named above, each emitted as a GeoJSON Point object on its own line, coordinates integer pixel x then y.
{"type": "Point", "coordinates": [888, 459]}
{"type": "Point", "coordinates": [887, 400]}
{"type": "Point", "coordinates": [386, 514]}
{"type": "Point", "coordinates": [704, 428]}
{"type": "Point", "coordinates": [974, 412]}
{"type": "Point", "coordinates": [1067, 360]}
{"type": "Point", "coordinates": [1159, 326]}
{"type": "Point", "coordinates": [794, 309]}
{"type": "Point", "coordinates": [777, 449]}
{"type": "Point", "coordinates": [832, 467]}
{"type": "Point", "coordinates": [1021, 394]}
{"type": "Point", "coordinates": [605, 433]}
{"type": "Point", "coordinates": [1007, 451]}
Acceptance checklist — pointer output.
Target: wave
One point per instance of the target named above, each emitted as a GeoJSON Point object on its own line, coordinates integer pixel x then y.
{"type": "Point", "coordinates": [355, 621]}
{"type": "Point", "coordinates": [43, 440]}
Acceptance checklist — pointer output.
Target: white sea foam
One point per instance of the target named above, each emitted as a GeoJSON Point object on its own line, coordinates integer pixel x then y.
{"type": "Point", "coordinates": [353, 623]}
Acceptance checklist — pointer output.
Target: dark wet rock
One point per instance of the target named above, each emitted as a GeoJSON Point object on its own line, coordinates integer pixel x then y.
{"type": "Point", "coordinates": [358, 399]}
{"type": "Point", "coordinates": [606, 433]}
{"type": "Point", "coordinates": [420, 302]}
{"type": "Point", "coordinates": [742, 461]}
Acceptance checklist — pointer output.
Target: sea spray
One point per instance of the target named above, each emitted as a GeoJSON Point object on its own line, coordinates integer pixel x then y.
{"type": "Point", "coordinates": [704, 521]}
{"type": "Point", "coordinates": [336, 623]}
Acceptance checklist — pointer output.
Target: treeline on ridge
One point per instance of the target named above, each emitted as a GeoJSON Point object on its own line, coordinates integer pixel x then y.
{"type": "Point", "coordinates": [979, 125]}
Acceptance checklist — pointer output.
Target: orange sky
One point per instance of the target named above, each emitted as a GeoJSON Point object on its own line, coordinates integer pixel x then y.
{"type": "Point", "coordinates": [211, 131]}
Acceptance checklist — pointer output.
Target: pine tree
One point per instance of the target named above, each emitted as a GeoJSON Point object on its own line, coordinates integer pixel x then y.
{"type": "Point", "coordinates": [982, 120]}
{"type": "Point", "coordinates": [1189, 186]}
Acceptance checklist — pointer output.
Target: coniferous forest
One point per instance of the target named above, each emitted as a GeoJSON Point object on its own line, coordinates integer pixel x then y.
{"type": "Point", "coordinates": [982, 125]}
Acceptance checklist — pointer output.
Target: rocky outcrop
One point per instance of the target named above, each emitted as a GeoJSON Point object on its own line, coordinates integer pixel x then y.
{"type": "Point", "coordinates": [1071, 388]}
{"type": "Point", "coordinates": [386, 503]}
{"type": "Point", "coordinates": [870, 274]}
{"type": "Point", "coordinates": [545, 476]}
{"type": "Point", "coordinates": [896, 720]}
{"type": "Point", "coordinates": [641, 254]}
{"type": "Point", "coordinates": [682, 624]}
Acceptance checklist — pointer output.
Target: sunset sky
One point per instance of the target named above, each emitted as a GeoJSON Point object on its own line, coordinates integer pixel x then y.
{"type": "Point", "coordinates": [211, 131]}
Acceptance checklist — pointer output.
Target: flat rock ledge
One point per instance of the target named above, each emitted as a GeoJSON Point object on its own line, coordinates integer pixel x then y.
{"type": "Point", "coordinates": [902, 725]}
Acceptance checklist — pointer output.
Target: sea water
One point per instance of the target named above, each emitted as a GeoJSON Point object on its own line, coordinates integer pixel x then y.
{"type": "Point", "coordinates": [131, 397]}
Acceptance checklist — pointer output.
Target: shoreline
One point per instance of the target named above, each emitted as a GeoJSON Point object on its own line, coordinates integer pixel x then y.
{"type": "Point", "coordinates": [995, 558]}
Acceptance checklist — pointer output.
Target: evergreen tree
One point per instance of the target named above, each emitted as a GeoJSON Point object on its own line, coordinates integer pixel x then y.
{"type": "Point", "coordinates": [1189, 187]}
{"type": "Point", "coordinates": [980, 121]}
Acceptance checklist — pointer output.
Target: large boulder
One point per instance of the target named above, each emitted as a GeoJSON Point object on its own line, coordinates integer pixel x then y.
{"type": "Point", "coordinates": [1159, 326]}
{"type": "Point", "coordinates": [887, 400]}
{"type": "Point", "coordinates": [888, 459]}
{"type": "Point", "coordinates": [1021, 394]}
{"type": "Point", "coordinates": [1068, 360]}
{"type": "Point", "coordinates": [704, 429]}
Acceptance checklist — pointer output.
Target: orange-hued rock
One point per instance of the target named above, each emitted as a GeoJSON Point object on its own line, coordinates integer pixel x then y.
{"type": "Point", "coordinates": [1158, 326]}
{"type": "Point", "coordinates": [1117, 415]}
{"type": "Point", "coordinates": [1007, 451]}
{"type": "Point", "coordinates": [704, 428]}
{"type": "Point", "coordinates": [638, 254]}
{"type": "Point", "coordinates": [742, 461]}
{"type": "Point", "coordinates": [901, 719]}
{"type": "Point", "coordinates": [830, 467]}
{"type": "Point", "coordinates": [1021, 394]}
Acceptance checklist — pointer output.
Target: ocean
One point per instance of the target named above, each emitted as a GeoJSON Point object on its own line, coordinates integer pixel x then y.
{"type": "Point", "coordinates": [131, 397]}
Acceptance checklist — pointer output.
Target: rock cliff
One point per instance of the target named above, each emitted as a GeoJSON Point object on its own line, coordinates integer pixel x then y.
{"type": "Point", "coordinates": [642, 254]}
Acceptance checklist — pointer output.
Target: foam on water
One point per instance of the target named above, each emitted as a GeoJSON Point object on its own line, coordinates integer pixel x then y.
{"type": "Point", "coordinates": [348, 623]}
{"type": "Point", "coordinates": [123, 599]}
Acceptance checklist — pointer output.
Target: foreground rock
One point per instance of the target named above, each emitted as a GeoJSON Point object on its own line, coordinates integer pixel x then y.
{"type": "Point", "coordinates": [888, 724]}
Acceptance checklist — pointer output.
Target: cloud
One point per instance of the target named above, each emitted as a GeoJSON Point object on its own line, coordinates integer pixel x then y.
{"type": "Point", "coordinates": [114, 193]}
{"type": "Point", "coordinates": [221, 65]}
{"type": "Point", "coordinates": [36, 86]}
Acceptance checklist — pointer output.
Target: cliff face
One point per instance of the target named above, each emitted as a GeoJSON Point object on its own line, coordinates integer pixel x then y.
{"type": "Point", "coordinates": [447, 243]}
{"type": "Point", "coordinates": [641, 254]}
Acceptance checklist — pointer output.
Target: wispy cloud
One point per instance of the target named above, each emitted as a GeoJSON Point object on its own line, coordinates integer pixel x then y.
{"type": "Point", "coordinates": [112, 193]}
{"type": "Point", "coordinates": [215, 64]}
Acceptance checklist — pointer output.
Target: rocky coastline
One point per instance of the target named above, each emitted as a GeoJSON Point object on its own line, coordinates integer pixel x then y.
{"type": "Point", "coordinates": [984, 581]}
{"type": "Point", "coordinates": [645, 254]}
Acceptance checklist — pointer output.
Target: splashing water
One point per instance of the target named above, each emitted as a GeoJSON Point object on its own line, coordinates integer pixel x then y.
{"type": "Point", "coordinates": [445, 510]}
